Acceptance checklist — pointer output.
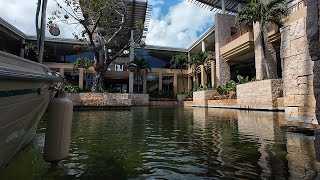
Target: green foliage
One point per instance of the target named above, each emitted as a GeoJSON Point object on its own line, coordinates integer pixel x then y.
{"type": "Point", "coordinates": [242, 80]}
{"type": "Point", "coordinates": [71, 89]}
{"type": "Point", "coordinates": [179, 61]}
{"type": "Point", "coordinates": [83, 62]}
{"type": "Point", "coordinates": [31, 51]}
{"type": "Point", "coordinates": [232, 85]}
{"type": "Point", "coordinates": [198, 59]}
{"type": "Point", "coordinates": [257, 11]}
{"type": "Point", "coordinates": [195, 89]}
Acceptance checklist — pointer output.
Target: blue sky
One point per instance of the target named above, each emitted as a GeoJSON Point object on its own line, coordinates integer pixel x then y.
{"type": "Point", "coordinates": [174, 23]}
{"type": "Point", "coordinates": [177, 23]}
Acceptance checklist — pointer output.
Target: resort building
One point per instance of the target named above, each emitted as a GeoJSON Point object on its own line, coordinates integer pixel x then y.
{"type": "Point", "coordinates": [233, 53]}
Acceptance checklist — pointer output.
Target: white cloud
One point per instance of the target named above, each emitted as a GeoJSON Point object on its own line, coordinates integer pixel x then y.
{"type": "Point", "coordinates": [179, 28]}
{"type": "Point", "coordinates": [21, 14]}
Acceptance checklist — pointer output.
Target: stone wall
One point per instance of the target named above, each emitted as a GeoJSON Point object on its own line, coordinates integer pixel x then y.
{"type": "Point", "coordinates": [200, 98]}
{"type": "Point", "coordinates": [99, 99]}
{"type": "Point", "coordinates": [223, 24]}
{"type": "Point", "coordinates": [225, 103]}
{"type": "Point", "coordinates": [259, 94]}
{"type": "Point", "coordinates": [163, 103]}
{"type": "Point", "coordinates": [297, 72]}
{"type": "Point", "coordinates": [139, 99]}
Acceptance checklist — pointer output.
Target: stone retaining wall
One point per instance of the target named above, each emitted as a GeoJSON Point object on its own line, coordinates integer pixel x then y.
{"type": "Point", "coordinates": [200, 98]}
{"type": "Point", "coordinates": [139, 99]}
{"type": "Point", "coordinates": [163, 103]}
{"type": "Point", "coordinates": [99, 99]}
{"type": "Point", "coordinates": [259, 94]}
{"type": "Point", "coordinates": [225, 103]}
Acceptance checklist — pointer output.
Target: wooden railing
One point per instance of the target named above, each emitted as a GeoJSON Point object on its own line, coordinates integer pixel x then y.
{"type": "Point", "coordinates": [301, 4]}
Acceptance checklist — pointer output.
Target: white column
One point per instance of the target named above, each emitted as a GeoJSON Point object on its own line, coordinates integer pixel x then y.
{"type": "Point", "coordinates": [22, 49]}
{"type": "Point", "coordinates": [203, 76]}
{"type": "Point", "coordinates": [131, 75]}
{"type": "Point", "coordinates": [62, 72]}
{"type": "Point", "coordinates": [203, 46]}
{"type": "Point", "coordinates": [213, 74]}
{"type": "Point", "coordinates": [189, 59]}
{"type": "Point", "coordinates": [239, 7]}
{"type": "Point", "coordinates": [223, 6]}
{"type": "Point", "coordinates": [189, 83]}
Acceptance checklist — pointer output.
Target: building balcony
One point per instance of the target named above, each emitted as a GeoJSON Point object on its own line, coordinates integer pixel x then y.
{"type": "Point", "coordinates": [239, 44]}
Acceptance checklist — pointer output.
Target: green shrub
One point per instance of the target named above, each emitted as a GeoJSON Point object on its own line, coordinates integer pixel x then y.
{"type": "Point", "coordinates": [71, 89]}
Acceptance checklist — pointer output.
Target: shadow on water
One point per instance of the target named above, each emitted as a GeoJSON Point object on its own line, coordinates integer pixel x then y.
{"type": "Point", "coordinates": [174, 143]}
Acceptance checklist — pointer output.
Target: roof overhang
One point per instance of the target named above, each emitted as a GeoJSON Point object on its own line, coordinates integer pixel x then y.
{"type": "Point", "coordinates": [12, 31]}
{"type": "Point", "coordinates": [137, 10]}
{"type": "Point", "coordinates": [202, 38]}
{"type": "Point", "coordinates": [230, 5]}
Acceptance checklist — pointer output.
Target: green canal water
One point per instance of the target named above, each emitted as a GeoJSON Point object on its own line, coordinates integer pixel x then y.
{"type": "Point", "coordinates": [173, 143]}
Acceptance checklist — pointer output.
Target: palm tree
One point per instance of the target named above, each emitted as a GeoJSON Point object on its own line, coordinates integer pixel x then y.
{"type": "Point", "coordinates": [198, 59]}
{"type": "Point", "coordinates": [139, 65]}
{"type": "Point", "coordinates": [179, 61]}
{"type": "Point", "coordinates": [260, 13]}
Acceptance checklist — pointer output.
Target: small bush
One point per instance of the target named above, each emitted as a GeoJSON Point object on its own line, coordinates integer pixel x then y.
{"type": "Point", "coordinates": [71, 89]}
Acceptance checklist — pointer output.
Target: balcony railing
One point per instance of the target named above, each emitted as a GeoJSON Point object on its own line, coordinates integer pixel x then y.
{"type": "Point", "coordinates": [301, 4]}
{"type": "Point", "coordinates": [235, 36]}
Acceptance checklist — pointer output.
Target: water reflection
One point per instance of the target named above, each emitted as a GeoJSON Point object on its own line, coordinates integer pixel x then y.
{"type": "Point", "coordinates": [175, 143]}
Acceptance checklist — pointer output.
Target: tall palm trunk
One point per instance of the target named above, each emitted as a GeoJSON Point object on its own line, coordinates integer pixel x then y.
{"type": "Point", "coordinates": [269, 54]}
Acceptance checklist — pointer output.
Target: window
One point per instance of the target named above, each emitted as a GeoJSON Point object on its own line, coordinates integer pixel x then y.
{"type": "Point", "coordinates": [118, 67]}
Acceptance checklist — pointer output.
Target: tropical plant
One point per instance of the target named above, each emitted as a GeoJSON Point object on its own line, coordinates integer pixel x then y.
{"type": "Point", "coordinates": [31, 51]}
{"type": "Point", "coordinates": [102, 21]}
{"type": "Point", "coordinates": [83, 62]}
{"type": "Point", "coordinates": [231, 86]}
{"type": "Point", "coordinates": [179, 61]}
{"type": "Point", "coordinates": [71, 89]}
{"type": "Point", "coordinates": [198, 59]}
{"type": "Point", "coordinates": [262, 13]}
{"type": "Point", "coordinates": [242, 80]}
{"type": "Point", "coordinates": [139, 65]}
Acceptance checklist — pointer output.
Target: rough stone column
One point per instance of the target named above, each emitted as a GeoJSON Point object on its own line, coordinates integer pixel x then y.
{"type": "Point", "coordinates": [298, 75]}
{"type": "Point", "coordinates": [144, 83]}
{"type": "Point", "coordinates": [313, 35]}
{"type": "Point", "coordinates": [223, 26]}
{"type": "Point", "coordinates": [203, 76]}
{"type": "Point", "coordinates": [258, 52]}
{"type": "Point", "coordinates": [160, 80]}
{"type": "Point", "coordinates": [175, 83]}
{"type": "Point", "coordinates": [131, 58]}
{"type": "Point", "coordinates": [62, 72]}
{"type": "Point", "coordinates": [81, 73]}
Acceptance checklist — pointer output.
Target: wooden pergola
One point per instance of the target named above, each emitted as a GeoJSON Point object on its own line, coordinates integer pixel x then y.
{"type": "Point", "coordinates": [223, 6]}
